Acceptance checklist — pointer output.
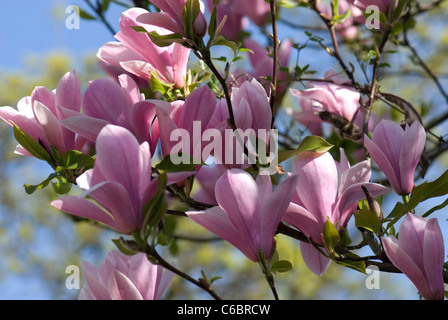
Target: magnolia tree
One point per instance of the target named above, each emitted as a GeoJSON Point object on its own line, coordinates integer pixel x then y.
{"type": "Point", "coordinates": [176, 122]}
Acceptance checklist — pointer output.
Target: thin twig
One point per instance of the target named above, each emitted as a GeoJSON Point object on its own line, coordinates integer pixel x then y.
{"type": "Point", "coordinates": [275, 58]}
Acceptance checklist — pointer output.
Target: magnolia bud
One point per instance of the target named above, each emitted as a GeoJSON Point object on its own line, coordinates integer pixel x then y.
{"type": "Point", "coordinates": [374, 206]}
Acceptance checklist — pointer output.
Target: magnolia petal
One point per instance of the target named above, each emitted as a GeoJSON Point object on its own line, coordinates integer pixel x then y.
{"type": "Point", "coordinates": [50, 125]}
{"type": "Point", "coordinates": [82, 208]}
{"type": "Point", "coordinates": [118, 157]}
{"type": "Point", "coordinates": [411, 150]}
{"type": "Point", "coordinates": [85, 126]}
{"type": "Point", "coordinates": [237, 194]}
{"type": "Point", "coordinates": [273, 211]}
{"type": "Point", "coordinates": [217, 221]}
{"type": "Point", "coordinates": [384, 163]}
{"type": "Point", "coordinates": [304, 221]}
{"type": "Point", "coordinates": [68, 92]}
{"type": "Point", "coordinates": [433, 258]}
{"type": "Point", "coordinates": [316, 262]}
{"type": "Point", "coordinates": [406, 264]}
{"type": "Point", "coordinates": [122, 288]}
{"type": "Point", "coordinates": [318, 187]}
{"type": "Point", "coordinates": [96, 288]}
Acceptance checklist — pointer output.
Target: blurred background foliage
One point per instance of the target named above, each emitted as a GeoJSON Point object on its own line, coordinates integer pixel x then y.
{"type": "Point", "coordinates": [37, 242]}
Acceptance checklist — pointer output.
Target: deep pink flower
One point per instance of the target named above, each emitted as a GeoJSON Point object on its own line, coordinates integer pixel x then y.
{"type": "Point", "coordinates": [122, 277]}
{"type": "Point", "coordinates": [38, 115]}
{"type": "Point", "coordinates": [419, 253]}
{"type": "Point", "coordinates": [252, 113]}
{"type": "Point", "coordinates": [107, 102]}
{"type": "Point", "coordinates": [326, 190]}
{"type": "Point", "coordinates": [397, 152]}
{"type": "Point", "coordinates": [181, 117]}
{"type": "Point", "coordinates": [170, 17]}
{"type": "Point", "coordinates": [120, 182]}
{"type": "Point", "coordinates": [248, 211]}
{"type": "Point", "coordinates": [137, 54]}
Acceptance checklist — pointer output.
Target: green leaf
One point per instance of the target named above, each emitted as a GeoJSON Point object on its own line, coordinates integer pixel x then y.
{"type": "Point", "coordinates": [158, 85]}
{"type": "Point", "coordinates": [368, 220]}
{"type": "Point", "coordinates": [167, 164]}
{"type": "Point", "coordinates": [85, 15]}
{"type": "Point", "coordinates": [438, 207]}
{"type": "Point", "coordinates": [287, 4]}
{"type": "Point", "coordinates": [155, 209]}
{"type": "Point", "coordinates": [165, 40]}
{"type": "Point", "coordinates": [74, 160]}
{"type": "Point", "coordinates": [213, 24]}
{"type": "Point", "coordinates": [30, 189]}
{"type": "Point", "coordinates": [341, 18]}
{"type": "Point", "coordinates": [32, 146]}
{"type": "Point", "coordinates": [221, 41]}
{"type": "Point", "coordinates": [105, 5]}
{"type": "Point", "coordinates": [353, 264]}
{"type": "Point", "coordinates": [281, 266]}
{"type": "Point", "coordinates": [61, 185]}
{"type": "Point", "coordinates": [125, 247]}
{"type": "Point", "coordinates": [190, 13]}
{"type": "Point", "coordinates": [310, 143]}
{"type": "Point", "coordinates": [422, 192]}
{"type": "Point", "coordinates": [330, 235]}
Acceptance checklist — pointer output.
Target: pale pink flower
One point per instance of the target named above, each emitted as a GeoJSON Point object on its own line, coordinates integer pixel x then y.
{"type": "Point", "coordinates": [138, 55]}
{"type": "Point", "coordinates": [120, 182]}
{"type": "Point", "coordinates": [419, 253]}
{"type": "Point", "coordinates": [397, 152]}
{"type": "Point", "coordinates": [107, 102]}
{"type": "Point", "coordinates": [326, 190]}
{"type": "Point", "coordinates": [122, 277]}
{"type": "Point", "coordinates": [38, 115]}
{"type": "Point", "coordinates": [248, 211]}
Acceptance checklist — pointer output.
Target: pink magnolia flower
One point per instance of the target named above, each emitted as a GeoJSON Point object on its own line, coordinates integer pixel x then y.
{"type": "Point", "coordinates": [38, 115]}
{"type": "Point", "coordinates": [326, 190]}
{"type": "Point", "coordinates": [237, 11]}
{"type": "Point", "coordinates": [397, 152]}
{"type": "Point", "coordinates": [235, 22]}
{"type": "Point", "coordinates": [347, 28]}
{"type": "Point", "coordinates": [248, 211]}
{"type": "Point", "coordinates": [120, 182]}
{"type": "Point", "coordinates": [171, 17]}
{"type": "Point", "coordinates": [137, 54]}
{"type": "Point", "coordinates": [335, 98]}
{"type": "Point", "coordinates": [252, 113]}
{"type": "Point", "coordinates": [262, 63]}
{"type": "Point", "coordinates": [179, 120]}
{"type": "Point", "coordinates": [207, 176]}
{"type": "Point", "coordinates": [108, 102]}
{"type": "Point", "coordinates": [122, 277]}
{"type": "Point", "coordinates": [419, 253]}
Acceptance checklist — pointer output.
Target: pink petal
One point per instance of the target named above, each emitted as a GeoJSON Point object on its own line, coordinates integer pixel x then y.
{"type": "Point", "coordinates": [383, 162]}
{"type": "Point", "coordinates": [237, 194]}
{"type": "Point", "coordinates": [316, 262]}
{"type": "Point", "coordinates": [217, 221]}
{"type": "Point", "coordinates": [411, 150]}
{"type": "Point", "coordinates": [122, 288]}
{"type": "Point", "coordinates": [68, 92]}
{"type": "Point", "coordinates": [118, 157]}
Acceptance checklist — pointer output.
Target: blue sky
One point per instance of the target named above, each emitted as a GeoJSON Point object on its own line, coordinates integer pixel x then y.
{"type": "Point", "coordinates": [31, 27]}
